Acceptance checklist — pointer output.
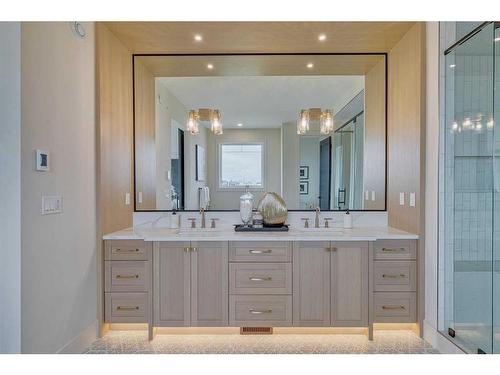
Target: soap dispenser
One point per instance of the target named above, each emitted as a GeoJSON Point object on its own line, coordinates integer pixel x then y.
{"type": "Point", "coordinates": [347, 220]}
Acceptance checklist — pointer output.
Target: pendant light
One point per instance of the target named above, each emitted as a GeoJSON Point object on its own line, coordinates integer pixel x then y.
{"type": "Point", "coordinates": [303, 122]}
{"type": "Point", "coordinates": [192, 123]}
{"type": "Point", "coordinates": [216, 122]}
{"type": "Point", "coordinates": [326, 122]}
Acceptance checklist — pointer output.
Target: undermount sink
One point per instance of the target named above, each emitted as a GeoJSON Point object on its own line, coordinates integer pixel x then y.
{"type": "Point", "coordinates": [320, 230]}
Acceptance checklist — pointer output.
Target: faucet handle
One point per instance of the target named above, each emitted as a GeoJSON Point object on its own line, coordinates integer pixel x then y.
{"type": "Point", "coordinates": [214, 219]}
{"type": "Point", "coordinates": [193, 222]}
{"type": "Point", "coordinates": [306, 222]}
{"type": "Point", "coordinates": [327, 219]}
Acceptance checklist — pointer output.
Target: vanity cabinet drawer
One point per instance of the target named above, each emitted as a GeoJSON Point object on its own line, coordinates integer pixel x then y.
{"type": "Point", "coordinates": [395, 250]}
{"type": "Point", "coordinates": [256, 251]}
{"type": "Point", "coordinates": [396, 307]}
{"type": "Point", "coordinates": [126, 307]}
{"type": "Point", "coordinates": [259, 310]}
{"type": "Point", "coordinates": [131, 276]}
{"type": "Point", "coordinates": [260, 278]}
{"type": "Point", "coordinates": [127, 250]}
{"type": "Point", "coordinates": [395, 276]}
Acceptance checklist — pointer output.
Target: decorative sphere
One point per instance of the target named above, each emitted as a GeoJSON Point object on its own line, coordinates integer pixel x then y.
{"type": "Point", "coordinates": [272, 207]}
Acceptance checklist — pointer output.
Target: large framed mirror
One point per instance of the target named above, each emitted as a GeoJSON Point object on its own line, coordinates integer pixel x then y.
{"type": "Point", "coordinates": [310, 127]}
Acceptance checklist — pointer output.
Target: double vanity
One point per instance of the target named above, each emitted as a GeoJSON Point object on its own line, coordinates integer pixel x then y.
{"type": "Point", "coordinates": [301, 278]}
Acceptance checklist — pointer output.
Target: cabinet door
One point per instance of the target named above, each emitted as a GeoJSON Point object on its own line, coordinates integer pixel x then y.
{"type": "Point", "coordinates": [349, 270]}
{"type": "Point", "coordinates": [311, 283]}
{"type": "Point", "coordinates": [209, 284]}
{"type": "Point", "coordinates": [171, 284]}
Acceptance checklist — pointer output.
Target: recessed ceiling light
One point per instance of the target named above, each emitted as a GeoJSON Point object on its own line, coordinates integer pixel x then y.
{"type": "Point", "coordinates": [198, 38]}
{"type": "Point", "coordinates": [239, 125]}
{"type": "Point", "coordinates": [452, 65]}
{"type": "Point", "coordinates": [321, 37]}
{"type": "Point", "coordinates": [210, 66]}
{"type": "Point", "coordinates": [310, 65]}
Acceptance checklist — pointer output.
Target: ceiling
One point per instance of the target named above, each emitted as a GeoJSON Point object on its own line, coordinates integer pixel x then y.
{"type": "Point", "coordinates": [255, 65]}
{"type": "Point", "coordinates": [262, 37]}
{"type": "Point", "coordinates": [266, 101]}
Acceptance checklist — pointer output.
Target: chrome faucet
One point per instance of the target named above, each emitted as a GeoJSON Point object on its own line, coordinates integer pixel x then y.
{"type": "Point", "coordinates": [202, 213]}
{"type": "Point", "coordinates": [316, 219]}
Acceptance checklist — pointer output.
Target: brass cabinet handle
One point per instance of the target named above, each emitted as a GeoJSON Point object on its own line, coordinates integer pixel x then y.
{"type": "Point", "coordinates": [333, 248]}
{"type": "Point", "coordinates": [393, 250]}
{"type": "Point", "coordinates": [400, 276]}
{"type": "Point", "coordinates": [268, 251]}
{"type": "Point", "coordinates": [127, 308]}
{"type": "Point", "coordinates": [187, 249]}
{"type": "Point", "coordinates": [127, 250]}
{"type": "Point", "coordinates": [194, 249]}
{"type": "Point", "coordinates": [127, 276]}
{"type": "Point", "coordinates": [252, 311]}
{"type": "Point", "coordinates": [393, 307]}
{"type": "Point", "coordinates": [268, 278]}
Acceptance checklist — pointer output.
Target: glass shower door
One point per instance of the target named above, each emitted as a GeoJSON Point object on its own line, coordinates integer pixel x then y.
{"type": "Point", "coordinates": [470, 201]}
{"type": "Point", "coordinates": [496, 247]}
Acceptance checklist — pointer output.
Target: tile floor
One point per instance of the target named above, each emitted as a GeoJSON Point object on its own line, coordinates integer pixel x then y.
{"type": "Point", "coordinates": [385, 342]}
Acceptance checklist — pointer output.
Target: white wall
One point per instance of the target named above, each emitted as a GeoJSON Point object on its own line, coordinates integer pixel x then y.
{"type": "Point", "coordinates": [59, 291]}
{"type": "Point", "coordinates": [309, 156]}
{"type": "Point", "coordinates": [10, 187]}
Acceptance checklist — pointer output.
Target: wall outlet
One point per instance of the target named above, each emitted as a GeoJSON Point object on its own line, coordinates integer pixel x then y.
{"type": "Point", "coordinates": [51, 204]}
{"type": "Point", "coordinates": [412, 199]}
{"type": "Point", "coordinates": [139, 197]}
{"type": "Point", "coordinates": [127, 199]}
{"type": "Point", "coordinates": [367, 195]}
{"type": "Point", "coordinates": [401, 199]}
{"type": "Point", "coordinates": [373, 195]}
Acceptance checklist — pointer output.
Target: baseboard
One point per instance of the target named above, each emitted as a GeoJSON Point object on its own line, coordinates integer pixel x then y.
{"type": "Point", "coordinates": [438, 341]}
{"type": "Point", "coordinates": [82, 341]}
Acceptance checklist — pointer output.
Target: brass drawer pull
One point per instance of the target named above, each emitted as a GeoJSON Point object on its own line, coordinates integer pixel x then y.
{"type": "Point", "coordinates": [390, 250]}
{"type": "Point", "coordinates": [127, 308]}
{"type": "Point", "coordinates": [127, 276]}
{"type": "Point", "coordinates": [252, 311]}
{"type": "Point", "coordinates": [400, 276]}
{"type": "Point", "coordinates": [194, 249]}
{"type": "Point", "coordinates": [393, 307]}
{"type": "Point", "coordinates": [127, 250]}
{"type": "Point", "coordinates": [268, 278]}
{"type": "Point", "coordinates": [268, 251]}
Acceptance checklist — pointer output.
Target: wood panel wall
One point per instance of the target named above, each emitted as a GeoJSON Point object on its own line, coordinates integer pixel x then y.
{"type": "Point", "coordinates": [145, 135]}
{"type": "Point", "coordinates": [406, 130]}
{"type": "Point", "coordinates": [374, 150]}
{"type": "Point", "coordinates": [115, 111]}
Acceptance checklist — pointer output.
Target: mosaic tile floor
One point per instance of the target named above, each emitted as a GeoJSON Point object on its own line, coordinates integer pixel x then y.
{"type": "Point", "coordinates": [385, 342]}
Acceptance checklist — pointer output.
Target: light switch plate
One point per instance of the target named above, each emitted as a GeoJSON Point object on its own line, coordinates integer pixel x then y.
{"type": "Point", "coordinates": [127, 199]}
{"type": "Point", "coordinates": [51, 204]}
{"type": "Point", "coordinates": [412, 199]}
{"type": "Point", "coordinates": [401, 199]}
{"type": "Point", "coordinates": [139, 197]}
{"type": "Point", "coordinates": [42, 161]}
{"type": "Point", "coordinates": [373, 195]}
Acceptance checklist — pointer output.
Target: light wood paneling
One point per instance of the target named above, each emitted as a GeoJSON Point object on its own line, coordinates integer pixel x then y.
{"type": "Point", "coordinates": [266, 65]}
{"type": "Point", "coordinates": [114, 76]}
{"type": "Point", "coordinates": [374, 151]}
{"type": "Point", "coordinates": [405, 127]}
{"type": "Point", "coordinates": [228, 37]}
{"type": "Point", "coordinates": [145, 134]}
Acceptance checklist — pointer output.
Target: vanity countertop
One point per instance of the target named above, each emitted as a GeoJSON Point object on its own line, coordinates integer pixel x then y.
{"type": "Point", "coordinates": [228, 234]}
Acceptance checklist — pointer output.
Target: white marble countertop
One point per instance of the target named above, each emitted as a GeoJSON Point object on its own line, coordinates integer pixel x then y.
{"type": "Point", "coordinates": [228, 234]}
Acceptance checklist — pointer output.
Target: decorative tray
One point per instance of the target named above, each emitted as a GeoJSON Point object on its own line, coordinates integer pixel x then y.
{"type": "Point", "coordinates": [243, 228]}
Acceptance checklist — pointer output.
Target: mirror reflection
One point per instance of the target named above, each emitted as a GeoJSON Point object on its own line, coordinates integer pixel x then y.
{"type": "Point", "coordinates": [310, 128]}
